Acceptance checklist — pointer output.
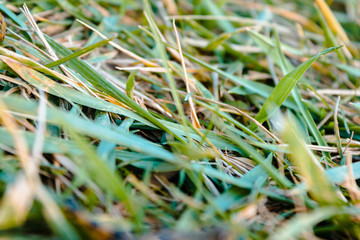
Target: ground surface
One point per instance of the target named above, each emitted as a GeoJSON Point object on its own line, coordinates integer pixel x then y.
{"type": "Point", "coordinates": [200, 119]}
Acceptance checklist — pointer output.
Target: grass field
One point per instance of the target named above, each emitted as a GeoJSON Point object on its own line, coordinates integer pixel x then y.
{"type": "Point", "coordinates": [169, 119]}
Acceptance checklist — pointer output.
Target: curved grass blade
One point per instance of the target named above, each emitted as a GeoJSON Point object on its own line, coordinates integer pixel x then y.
{"type": "Point", "coordinates": [277, 55]}
{"type": "Point", "coordinates": [78, 53]}
{"type": "Point", "coordinates": [286, 84]}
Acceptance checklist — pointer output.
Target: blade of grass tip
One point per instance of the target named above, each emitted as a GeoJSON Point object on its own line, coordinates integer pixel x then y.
{"type": "Point", "coordinates": [345, 122]}
{"type": "Point", "coordinates": [286, 67]}
{"type": "Point", "coordinates": [283, 89]}
{"type": "Point", "coordinates": [130, 85]}
{"type": "Point", "coordinates": [214, 43]}
{"type": "Point", "coordinates": [161, 49]}
{"type": "Point", "coordinates": [100, 82]}
{"type": "Point", "coordinates": [337, 132]}
{"type": "Point", "coordinates": [194, 118]}
{"type": "Point", "coordinates": [33, 24]}
{"type": "Point", "coordinates": [278, 57]}
{"type": "Point", "coordinates": [78, 53]}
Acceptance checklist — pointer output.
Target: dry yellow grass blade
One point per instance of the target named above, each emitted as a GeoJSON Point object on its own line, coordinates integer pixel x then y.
{"type": "Point", "coordinates": [332, 21]}
{"type": "Point", "coordinates": [144, 69]}
{"type": "Point", "coordinates": [36, 28]}
{"type": "Point", "coordinates": [336, 27]}
{"type": "Point", "coordinates": [189, 84]}
{"type": "Point", "coordinates": [51, 53]}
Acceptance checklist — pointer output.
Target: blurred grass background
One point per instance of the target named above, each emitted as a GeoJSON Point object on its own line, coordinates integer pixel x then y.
{"type": "Point", "coordinates": [166, 119]}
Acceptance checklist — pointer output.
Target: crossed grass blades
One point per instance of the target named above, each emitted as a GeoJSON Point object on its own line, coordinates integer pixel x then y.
{"type": "Point", "coordinates": [179, 119]}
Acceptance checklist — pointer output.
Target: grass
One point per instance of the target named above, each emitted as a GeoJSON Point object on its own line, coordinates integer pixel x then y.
{"type": "Point", "coordinates": [180, 119]}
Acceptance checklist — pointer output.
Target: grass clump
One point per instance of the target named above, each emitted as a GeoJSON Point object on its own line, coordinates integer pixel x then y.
{"type": "Point", "coordinates": [181, 119]}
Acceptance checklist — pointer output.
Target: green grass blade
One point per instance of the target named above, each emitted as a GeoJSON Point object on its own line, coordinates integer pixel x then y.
{"type": "Point", "coordinates": [161, 49]}
{"type": "Point", "coordinates": [285, 86]}
{"type": "Point", "coordinates": [277, 55]}
{"type": "Point", "coordinates": [103, 84]}
{"type": "Point", "coordinates": [48, 85]}
{"type": "Point", "coordinates": [130, 85]}
{"type": "Point", "coordinates": [313, 174]}
{"type": "Point", "coordinates": [78, 53]}
{"type": "Point", "coordinates": [303, 222]}
{"type": "Point", "coordinates": [90, 128]}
